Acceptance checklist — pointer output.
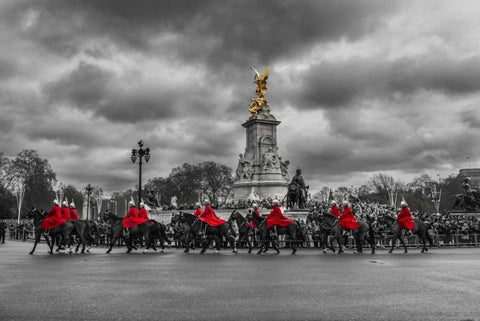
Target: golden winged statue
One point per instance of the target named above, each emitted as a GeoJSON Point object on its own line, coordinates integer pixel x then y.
{"type": "Point", "coordinates": [260, 89]}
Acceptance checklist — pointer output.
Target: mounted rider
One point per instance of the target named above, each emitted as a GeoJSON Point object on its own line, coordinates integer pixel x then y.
{"type": "Point", "coordinates": [209, 216]}
{"type": "Point", "coordinates": [54, 218]}
{"type": "Point", "coordinates": [73, 212]}
{"type": "Point", "coordinates": [142, 214]}
{"type": "Point", "coordinates": [198, 209]}
{"type": "Point", "coordinates": [404, 217]}
{"type": "Point", "coordinates": [65, 210]}
{"type": "Point", "coordinates": [347, 219]}
{"type": "Point", "coordinates": [334, 210]}
{"type": "Point", "coordinates": [132, 218]}
{"type": "Point", "coordinates": [276, 217]}
{"type": "Point", "coordinates": [303, 189]}
{"type": "Point", "coordinates": [254, 211]}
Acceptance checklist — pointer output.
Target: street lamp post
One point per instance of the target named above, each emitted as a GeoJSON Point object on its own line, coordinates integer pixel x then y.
{"type": "Point", "coordinates": [140, 153]}
{"type": "Point", "coordinates": [89, 190]}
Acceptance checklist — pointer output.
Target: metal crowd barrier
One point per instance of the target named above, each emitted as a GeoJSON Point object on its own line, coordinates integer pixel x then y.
{"type": "Point", "coordinates": [458, 239]}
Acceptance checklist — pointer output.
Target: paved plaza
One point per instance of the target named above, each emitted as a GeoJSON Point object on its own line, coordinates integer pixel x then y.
{"type": "Point", "coordinates": [441, 285]}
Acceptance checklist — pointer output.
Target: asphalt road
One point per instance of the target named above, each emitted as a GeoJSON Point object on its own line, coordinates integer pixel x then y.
{"type": "Point", "coordinates": [441, 285]}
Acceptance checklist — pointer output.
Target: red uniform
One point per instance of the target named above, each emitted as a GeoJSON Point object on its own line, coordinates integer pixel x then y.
{"type": "Point", "coordinates": [73, 214]}
{"type": "Point", "coordinates": [198, 211]}
{"type": "Point", "coordinates": [276, 218]}
{"type": "Point", "coordinates": [53, 219]}
{"type": "Point", "coordinates": [131, 219]}
{"type": "Point", "coordinates": [210, 217]}
{"type": "Point", "coordinates": [347, 220]}
{"type": "Point", "coordinates": [143, 213]}
{"type": "Point", "coordinates": [405, 220]}
{"type": "Point", "coordinates": [335, 211]}
{"type": "Point", "coordinates": [252, 224]}
{"type": "Point", "coordinates": [65, 213]}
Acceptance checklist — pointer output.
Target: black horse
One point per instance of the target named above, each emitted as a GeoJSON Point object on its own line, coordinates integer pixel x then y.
{"type": "Point", "coordinates": [197, 227]}
{"type": "Point", "coordinates": [87, 229]}
{"type": "Point", "coordinates": [145, 229]}
{"type": "Point", "coordinates": [420, 230]}
{"type": "Point", "coordinates": [65, 230]}
{"type": "Point", "coordinates": [329, 225]}
{"type": "Point", "coordinates": [240, 231]}
{"type": "Point", "coordinates": [181, 230]}
{"type": "Point", "coordinates": [293, 231]}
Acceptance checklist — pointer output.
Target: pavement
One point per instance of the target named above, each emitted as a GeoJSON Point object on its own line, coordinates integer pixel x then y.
{"type": "Point", "coordinates": [441, 285]}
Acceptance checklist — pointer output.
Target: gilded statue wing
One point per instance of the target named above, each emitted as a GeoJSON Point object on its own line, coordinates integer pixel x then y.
{"type": "Point", "coordinates": [265, 73]}
{"type": "Point", "coordinates": [257, 76]}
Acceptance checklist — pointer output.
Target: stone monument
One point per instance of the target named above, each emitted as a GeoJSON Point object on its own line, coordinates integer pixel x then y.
{"type": "Point", "coordinates": [261, 171]}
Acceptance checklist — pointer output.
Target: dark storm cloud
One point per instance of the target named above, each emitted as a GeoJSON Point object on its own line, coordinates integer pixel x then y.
{"type": "Point", "coordinates": [85, 86]}
{"type": "Point", "coordinates": [209, 31]}
{"type": "Point", "coordinates": [119, 99]}
{"type": "Point", "coordinates": [340, 83]}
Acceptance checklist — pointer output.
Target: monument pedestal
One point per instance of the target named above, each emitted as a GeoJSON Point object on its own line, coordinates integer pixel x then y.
{"type": "Point", "coordinates": [261, 173]}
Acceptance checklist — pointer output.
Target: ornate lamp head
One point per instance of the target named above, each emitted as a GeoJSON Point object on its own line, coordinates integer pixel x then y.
{"type": "Point", "coordinates": [134, 155]}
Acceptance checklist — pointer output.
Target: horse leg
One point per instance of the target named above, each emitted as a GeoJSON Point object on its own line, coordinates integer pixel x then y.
{"type": "Point", "coordinates": [422, 237]}
{"type": "Point", "coordinates": [261, 243]}
{"type": "Point", "coordinates": [37, 239]}
{"type": "Point", "coordinates": [276, 246]}
{"type": "Point", "coordinates": [338, 237]}
{"type": "Point", "coordinates": [393, 240]}
{"type": "Point", "coordinates": [113, 240]}
{"type": "Point", "coordinates": [205, 243]}
{"type": "Point", "coordinates": [218, 243]}
{"type": "Point", "coordinates": [187, 242]}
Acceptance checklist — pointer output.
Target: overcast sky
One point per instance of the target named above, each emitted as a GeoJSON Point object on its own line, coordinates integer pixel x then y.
{"type": "Point", "coordinates": [360, 86]}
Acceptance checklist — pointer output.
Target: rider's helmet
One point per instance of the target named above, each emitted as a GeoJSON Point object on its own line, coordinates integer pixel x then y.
{"type": "Point", "coordinates": [298, 171]}
{"type": "Point", "coordinates": [345, 203]}
{"type": "Point", "coordinates": [466, 179]}
{"type": "Point", "coordinates": [276, 201]}
{"type": "Point", "coordinates": [206, 202]}
{"type": "Point", "coordinates": [55, 201]}
{"type": "Point", "coordinates": [72, 204]}
{"type": "Point", "coordinates": [142, 204]}
{"type": "Point", "coordinates": [132, 202]}
{"type": "Point", "coordinates": [197, 205]}
{"type": "Point", "coordinates": [255, 206]}
{"type": "Point", "coordinates": [333, 202]}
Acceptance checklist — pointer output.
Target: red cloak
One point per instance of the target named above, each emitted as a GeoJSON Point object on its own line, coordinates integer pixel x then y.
{"type": "Point", "coordinates": [347, 220]}
{"type": "Point", "coordinates": [335, 211]}
{"type": "Point", "coordinates": [143, 213]}
{"type": "Point", "coordinates": [251, 224]}
{"type": "Point", "coordinates": [53, 219]}
{"type": "Point", "coordinates": [65, 213]}
{"type": "Point", "coordinates": [198, 211]}
{"type": "Point", "coordinates": [405, 219]}
{"type": "Point", "coordinates": [210, 217]}
{"type": "Point", "coordinates": [73, 214]}
{"type": "Point", "coordinates": [276, 218]}
{"type": "Point", "coordinates": [131, 219]}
